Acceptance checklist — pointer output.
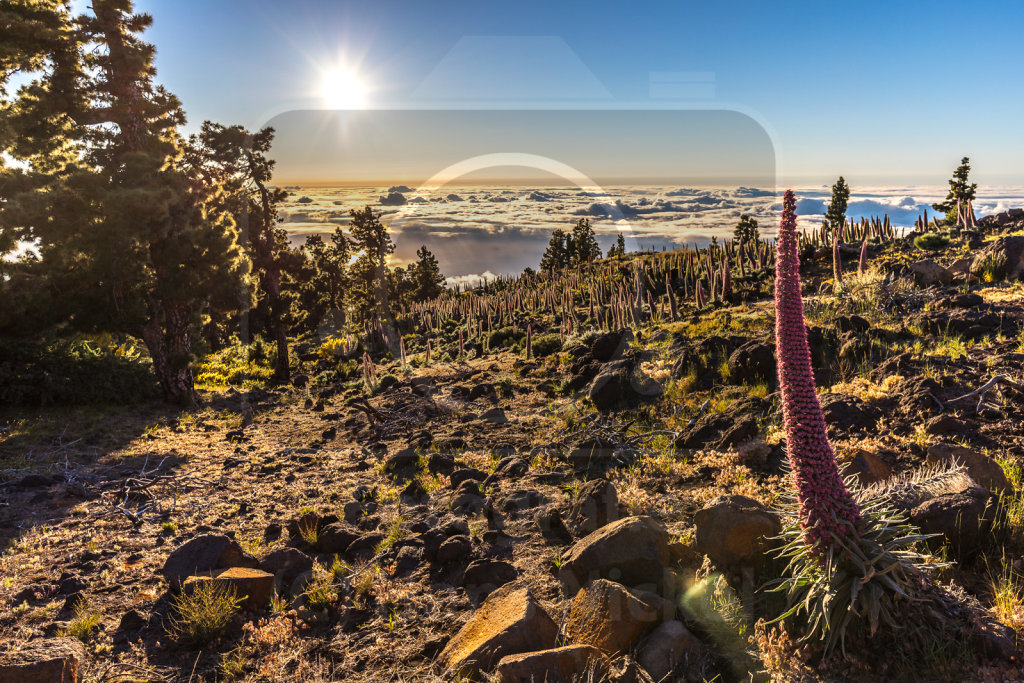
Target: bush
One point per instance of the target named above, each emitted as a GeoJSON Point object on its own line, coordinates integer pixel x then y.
{"type": "Point", "coordinates": [245, 365]}
{"type": "Point", "coordinates": [931, 241]}
{"type": "Point", "coordinates": [504, 337]}
{"type": "Point", "coordinates": [991, 268]}
{"type": "Point", "coordinates": [547, 344]}
{"type": "Point", "coordinates": [203, 613]}
{"type": "Point", "coordinates": [74, 371]}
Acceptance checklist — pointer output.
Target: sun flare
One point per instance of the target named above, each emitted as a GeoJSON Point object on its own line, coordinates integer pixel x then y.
{"type": "Point", "coordinates": [340, 88]}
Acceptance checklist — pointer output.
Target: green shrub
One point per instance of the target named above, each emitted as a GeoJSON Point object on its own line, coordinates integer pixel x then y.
{"type": "Point", "coordinates": [991, 268]}
{"type": "Point", "coordinates": [245, 365]}
{"type": "Point", "coordinates": [504, 337]}
{"type": "Point", "coordinates": [931, 241]}
{"type": "Point", "coordinates": [202, 613]}
{"type": "Point", "coordinates": [74, 371]}
{"type": "Point", "coordinates": [546, 344]}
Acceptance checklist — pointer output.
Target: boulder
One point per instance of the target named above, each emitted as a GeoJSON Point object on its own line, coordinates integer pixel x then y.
{"type": "Point", "coordinates": [867, 466]}
{"type": "Point", "coordinates": [43, 661]}
{"type": "Point", "coordinates": [845, 413]}
{"type": "Point", "coordinates": [285, 564]}
{"type": "Point", "coordinates": [335, 538]}
{"type": "Point", "coordinates": [593, 450]}
{"type": "Point", "coordinates": [253, 585]}
{"type": "Point", "coordinates": [742, 430]}
{"type": "Point", "coordinates": [483, 576]}
{"type": "Point", "coordinates": [752, 363]}
{"type": "Point", "coordinates": [1008, 251]}
{"type": "Point", "coordinates": [633, 551]}
{"type": "Point", "coordinates": [613, 385]}
{"type": "Point", "coordinates": [402, 459]}
{"type": "Point", "coordinates": [979, 466]}
{"type": "Point", "coordinates": [610, 617]}
{"type": "Point", "coordinates": [365, 545]}
{"type": "Point", "coordinates": [946, 424]}
{"type": "Point", "coordinates": [963, 518]}
{"type": "Point", "coordinates": [494, 416]}
{"type": "Point", "coordinates": [453, 549]}
{"type": "Point", "coordinates": [558, 665]}
{"type": "Point", "coordinates": [731, 530]}
{"type": "Point", "coordinates": [669, 646]}
{"type": "Point", "coordinates": [202, 554]}
{"type": "Point", "coordinates": [596, 505]}
{"type": "Point", "coordinates": [611, 345]}
{"type": "Point", "coordinates": [509, 622]}
{"type": "Point", "coordinates": [927, 273]}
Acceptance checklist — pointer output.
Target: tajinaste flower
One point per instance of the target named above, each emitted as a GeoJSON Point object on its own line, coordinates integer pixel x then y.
{"type": "Point", "coordinates": [824, 499]}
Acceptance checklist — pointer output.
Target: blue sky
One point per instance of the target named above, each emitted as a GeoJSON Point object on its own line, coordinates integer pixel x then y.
{"type": "Point", "coordinates": [876, 91]}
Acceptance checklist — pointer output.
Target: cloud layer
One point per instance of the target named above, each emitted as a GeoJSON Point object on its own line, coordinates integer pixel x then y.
{"type": "Point", "coordinates": [478, 229]}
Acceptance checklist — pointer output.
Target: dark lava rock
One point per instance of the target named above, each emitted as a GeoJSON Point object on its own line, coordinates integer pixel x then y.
{"type": "Point", "coordinates": [613, 385]}
{"type": "Point", "coordinates": [204, 553]}
{"type": "Point", "coordinates": [731, 530]}
{"type": "Point", "coordinates": [752, 363]}
{"type": "Point", "coordinates": [848, 413]}
{"type": "Point", "coordinates": [963, 518]}
{"type": "Point", "coordinates": [611, 345]}
{"type": "Point", "coordinates": [334, 538]}
{"type": "Point", "coordinates": [365, 545]}
{"type": "Point", "coordinates": [946, 424]}
{"type": "Point", "coordinates": [633, 551]}
{"type": "Point", "coordinates": [596, 505]}
{"type": "Point", "coordinates": [466, 473]}
{"type": "Point", "coordinates": [286, 564]}
{"type": "Point", "coordinates": [510, 467]}
{"type": "Point", "coordinates": [483, 576]}
{"type": "Point", "coordinates": [454, 549]}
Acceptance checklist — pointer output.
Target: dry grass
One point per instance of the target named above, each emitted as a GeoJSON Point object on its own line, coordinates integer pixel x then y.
{"type": "Point", "coordinates": [203, 613]}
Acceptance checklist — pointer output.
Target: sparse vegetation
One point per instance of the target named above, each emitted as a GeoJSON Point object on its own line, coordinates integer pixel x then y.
{"type": "Point", "coordinates": [202, 613]}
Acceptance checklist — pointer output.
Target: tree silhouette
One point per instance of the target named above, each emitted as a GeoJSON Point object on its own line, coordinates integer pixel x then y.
{"type": "Point", "coordinates": [131, 233]}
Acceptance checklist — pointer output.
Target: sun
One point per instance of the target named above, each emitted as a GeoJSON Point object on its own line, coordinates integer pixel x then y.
{"type": "Point", "coordinates": [340, 88]}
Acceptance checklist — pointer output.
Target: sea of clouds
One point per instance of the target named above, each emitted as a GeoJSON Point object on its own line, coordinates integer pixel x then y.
{"type": "Point", "coordinates": [480, 231]}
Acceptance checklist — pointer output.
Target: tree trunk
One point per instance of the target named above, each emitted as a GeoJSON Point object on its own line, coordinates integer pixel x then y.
{"type": "Point", "coordinates": [170, 351]}
{"type": "Point", "coordinates": [272, 284]}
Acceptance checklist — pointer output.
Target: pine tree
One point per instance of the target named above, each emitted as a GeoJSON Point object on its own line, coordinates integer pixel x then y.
{"type": "Point", "coordinates": [746, 229]}
{"type": "Point", "coordinates": [239, 159]}
{"type": "Point", "coordinates": [321, 285]}
{"type": "Point", "coordinates": [369, 285]}
{"type": "Point", "coordinates": [835, 216]}
{"type": "Point", "coordinates": [557, 254]}
{"type": "Point", "coordinates": [583, 247]}
{"type": "Point", "coordinates": [131, 233]}
{"type": "Point", "coordinates": [961, 194]}
{"type": "Point", "coordinates": [428, 280]}
{"type": "Point", "coordinates": [620, 245]}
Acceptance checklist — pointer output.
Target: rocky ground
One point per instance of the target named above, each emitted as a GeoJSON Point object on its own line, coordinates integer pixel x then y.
{"type": "Point", "coordinates": [596, 514]}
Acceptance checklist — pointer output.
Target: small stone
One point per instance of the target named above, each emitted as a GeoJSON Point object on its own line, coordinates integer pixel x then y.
{"type": "Point", "coordinates": [335, 538]}
{"type": "Point", "coordinates": [132, 620]}
{"type": "Point", "coordinates": [867, 466]}
{"type": "Point", "coordinates": [596, 505]}
{"type": "Point", "coordinates": [945, 424]}
{"type": "Point", "coordinates": [285, 564]}
{"type": "Point", "coordinates": [483, 576]}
